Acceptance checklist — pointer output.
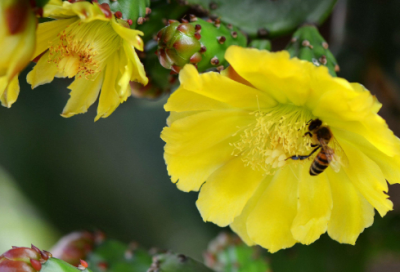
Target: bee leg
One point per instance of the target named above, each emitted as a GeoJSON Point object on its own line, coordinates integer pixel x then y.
{"type": "Point", "coordinates": [303, 157]}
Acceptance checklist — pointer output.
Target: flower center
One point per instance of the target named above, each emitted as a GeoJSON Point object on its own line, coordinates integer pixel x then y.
{"type": "Point", "coordinates": [83, 48]}
{"type": "Point", "coordinates": [276, 134]}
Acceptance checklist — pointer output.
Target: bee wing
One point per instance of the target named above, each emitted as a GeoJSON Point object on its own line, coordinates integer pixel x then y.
{"type": "Point", "coordinates": [339, 157]}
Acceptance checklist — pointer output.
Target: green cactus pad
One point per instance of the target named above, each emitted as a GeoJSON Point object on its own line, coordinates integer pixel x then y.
{"type": "Point", "coordinates": [265, 17]}
{"type": "Point", "coordinates": [115, 256]}
{"type": "Point", "coordinates": [227, 253]}
{"type": "Point", "coordinates": [169, 262]}
{"type": "Point", "coordinates": [57, 265]}
{"type": "Point", "coordinates": [308, 44]}
{"type": "Point", "coordinates": [200, 42]}
{"type": "Point", "coordinates": [131, 9]}
{"type": "Point", "coordinates": [261, 44]}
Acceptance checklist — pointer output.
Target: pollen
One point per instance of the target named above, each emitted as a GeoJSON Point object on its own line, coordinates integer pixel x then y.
{"type": "Point", "coordinates": [82, 48]}
{"type": "Point", "coordinates": [275, 135]}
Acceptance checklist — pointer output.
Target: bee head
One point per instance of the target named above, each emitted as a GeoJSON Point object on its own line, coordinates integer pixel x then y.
{"type": "Point", "coordinates": [314, 124]}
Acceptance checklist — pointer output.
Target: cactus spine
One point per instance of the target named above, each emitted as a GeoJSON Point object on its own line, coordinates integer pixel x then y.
{"type": "Point", "coordinates": [308, 44]}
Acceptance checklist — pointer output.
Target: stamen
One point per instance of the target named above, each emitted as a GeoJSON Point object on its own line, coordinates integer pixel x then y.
{"type": "Point", "coordinates": [275, 135]}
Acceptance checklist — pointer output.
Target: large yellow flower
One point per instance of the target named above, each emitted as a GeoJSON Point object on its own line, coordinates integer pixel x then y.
{"type": "Point", "coordinates": [87, 42]}
{"type": "Point", "coordinates": [17, 44]}
{"type": "Point", "coordinates": [229, 136]}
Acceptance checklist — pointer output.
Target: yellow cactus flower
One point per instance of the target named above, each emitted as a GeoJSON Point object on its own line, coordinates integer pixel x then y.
{"type": "Point", "coordinates": [17, 42]}
{"type": "Point", "coordinates": [88, 42]}
{"type": "Point", "coordinates": [237, 137]}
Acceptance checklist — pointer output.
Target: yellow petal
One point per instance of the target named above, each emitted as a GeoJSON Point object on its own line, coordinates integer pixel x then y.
{"type": "Point", "coordinates": [314, 206]}
{"type": "Point", "coordinates": [190, 172]}
{"type": "Point", "coordinates": [287, 81]}
{"type": "Point", "coordinates": [227, 191]}
{"type": "Point", "coordinates": [43, 72]}
{"type": "Point", "coordinates": [11, 93]}
{"type": "Point", "coordinates": [351, 212]}
{"type": "Point", "coordinates": [137, 73]}
{"type": "Point", "coordinates": [390, 166]}
{"type": "Point", "coordinates": [224, 89]}
{"type": "Point", "coordinates": [198, 132]}
{"type": "Point", "coordinates": [367, 178]}
{"type": "Point", "coordinates": [83, 94]}
{"type": "Point", "coordinates": [182, 100]}
{"type": "Point", "coordinates": [47, 32]}
{"type": "Point", "coordinates": [109, 98]}
{"type": "Point", "coordinates": [239, 224]}
{"type": "Point", "coordinates": [175, 116]}
{"type": "Point", "coordinates": [130, 35]}
{"type": "Point", "coordinates": [270, 221]}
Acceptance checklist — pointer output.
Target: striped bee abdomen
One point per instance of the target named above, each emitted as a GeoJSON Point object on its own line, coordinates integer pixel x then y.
{"type": "Point", "coordinates": [321, 162]}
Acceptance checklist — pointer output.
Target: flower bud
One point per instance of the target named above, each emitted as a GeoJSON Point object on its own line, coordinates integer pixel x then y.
{"type": "Point", "coordinates": [23, 259]}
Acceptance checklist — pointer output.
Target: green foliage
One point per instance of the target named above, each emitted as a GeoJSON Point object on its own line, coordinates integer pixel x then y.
{"type": "Point", "coordinates": [131, 9]}
{"type": "Point", "coordinates": [118, 257]}
{"type": "Point", "coordinates": [227, 253]}
{"type": "Point", "coordinates": [57, 265]}
{"type": "Point", "coordinates": [170, 262]}
{"type": "Point", "coordinates": [41, 3]}
{"type": "Point", "coordinates": [261, 44]}
{"type": "Point", "coordinates": [271, 18]}
{"type": "Point", "coordinates": [308, 44]}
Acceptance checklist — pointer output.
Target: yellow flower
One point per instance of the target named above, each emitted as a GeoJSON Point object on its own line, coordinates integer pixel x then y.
{"type": "Point", "coordinates": [229, 136]}
{"type": "Point", "coordinates": [87, 42]}
{"type": "Point", "coordinates": [17, 43]}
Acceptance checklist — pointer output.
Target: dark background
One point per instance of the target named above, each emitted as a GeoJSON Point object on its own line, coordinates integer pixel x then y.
{"type": "Point", "coordinates": [111, 174]}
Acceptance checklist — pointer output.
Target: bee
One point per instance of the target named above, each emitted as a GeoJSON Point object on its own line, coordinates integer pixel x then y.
{"type": "Point", "coordinates": [331, 154]}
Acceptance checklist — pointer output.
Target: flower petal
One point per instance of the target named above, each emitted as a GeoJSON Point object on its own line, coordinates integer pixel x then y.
{"type": "Point", "coordinates": [227, 191]}
{"type": "Point", "coordinates": [190, 172]}
{"type": "Point", "coordinates": [109, 98]}
{"type": "Point", "coordinates": [129, 35]}
{"type": "Point", "coordinates": [314, 206]}
{"type": "Point", "coordinates": [43, 72]}
{"type": "Point", "coordinates": [192, 135]}
{"type": "Point", "coordinates": [288, 83]}
{"type": "Point", "coordinates": [137, 72]}
{"type": "Point", "coordinates": [47, 32]}
{"type": "Point", "coordinates": [182, 100]}
{"type": "Point", "coordinates": [390, 166]}
{"type": "Point", "coordinates": [270, 221]}
{"type": "Point", "coordinates": [83, 94]}
{"type": "Point", "coordinates": [239, 224]}
{"type": "Point", "coordinates": [351, 212]}
{"type": "Point", "coordinates": [11, 93]}
{"type": "Point", "coordinates": [367, 178]}
{"type": "Point", "coordinates": [224, 89]}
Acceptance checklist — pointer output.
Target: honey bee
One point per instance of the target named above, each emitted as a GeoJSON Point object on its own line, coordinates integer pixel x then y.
{"type": "Point", "coordinates": [331, 154]}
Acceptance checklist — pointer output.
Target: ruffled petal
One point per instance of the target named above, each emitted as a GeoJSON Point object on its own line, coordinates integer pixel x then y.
{"type": "Point", "coordinates": [83, 94]}
{"type": "Point", "coordinates": [223, 89]}
{"type": "Point", "coordinates": [190, 172]}
{"type": "Point", "coordinates": [351, 212]}
{"type": "Point", "coordinates": [47, 32]}
{"type": "Point", "coordinates": [288, 83]}
{"type": "Point", "coordinates": [136, 72]}
{"type": "Point", "coordinates": [192, 135]}
{"type": "Point", "coordinates": [129, 35]}
{"type": "Point", "coordinates": [367, 178]}
{"type": "Point", "coordinates": [390, 166]}
{"type": "Point", "coordinates": [314, 206]}
{"type": "Point", "coordinates": [227, 191]}
{"type": "Point", "coordinates": [109, 98]}
{"type": "Point", "coordinates": [239, 224]}
{"type": "Point", "coordinates": [10, 95]}
{"type": "Point", "coordinates": [43, 72]}
{"type": "Point", "coordinates": [270, 222]}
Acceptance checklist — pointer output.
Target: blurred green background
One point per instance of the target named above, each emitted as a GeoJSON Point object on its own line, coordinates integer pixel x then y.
{"type": "Point", "coordinates": [62, 175]}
